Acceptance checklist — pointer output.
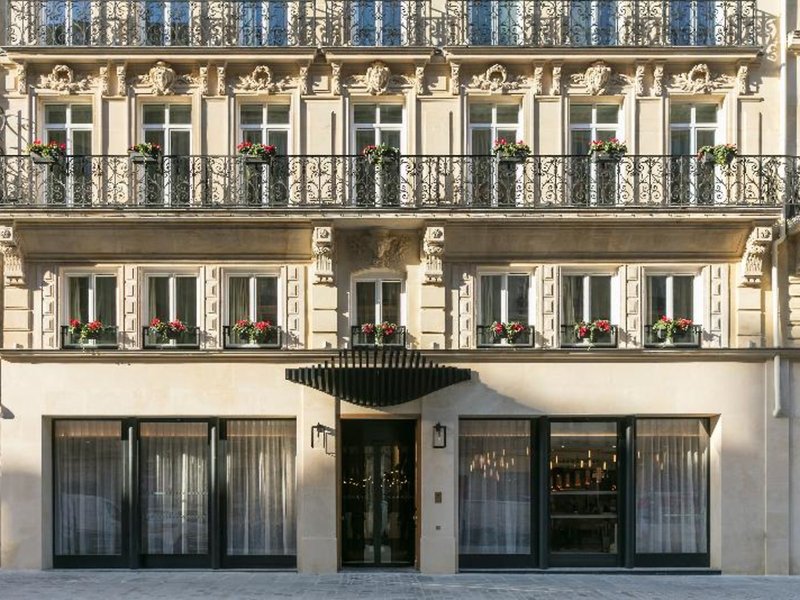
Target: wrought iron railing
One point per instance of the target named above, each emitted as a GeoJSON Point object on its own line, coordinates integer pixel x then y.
{"type": "Point", "coordinates": [488, 339]}
{"type": "Point", "coordinates": [689, 338]}
{"type": "Point", "coordinates": [580, 23]}
{"type": "Point", "coordinates": [186, 340]}
{"type": "Point", "coordinates": [104, 340]}
{"type": "Point", "coordinates": [359, 339]}
{"type": "Point", "coordinates": [385, 23]}
{"type": "Point", "coordinates": [462, 183]}
{"type": "Point", "coordinates": [570, 339]}
{"type": "Point", "coordinates": [271, 340]}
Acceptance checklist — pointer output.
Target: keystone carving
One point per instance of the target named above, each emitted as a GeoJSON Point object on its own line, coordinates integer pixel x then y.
{"type": "Point", "coordinates": [496, 80]}
{"type": "Point", "coordinates": [598, 79]}
{"type": "Point", "coordinates": [433, 254]}
{"type": "Point", "coordinates": [755, 255]}
{"type": "Point", "coordinates": [162, 79]}
{"type": "Point", "coordinates": [378, 79]}
{"type": "Point", "coordinates": [322, 247]}
{"type": "Point", "coordinates": [380, 249]}
{"type": "Point", "coordinates": [261, 80]}
{"type": "Point", "coordinates": [62, 79]}
{"type": "Point", "coordinates": [13, 264]}
{"type": "Point", "coordinates": [699, 80]}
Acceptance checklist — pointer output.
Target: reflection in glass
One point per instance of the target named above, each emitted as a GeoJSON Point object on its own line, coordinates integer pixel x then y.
{"type": "Point", "coordinates": [584, 488]}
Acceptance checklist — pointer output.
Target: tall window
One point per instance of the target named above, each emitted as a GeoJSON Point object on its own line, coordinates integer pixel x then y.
{"type": "Point", "coordinates": [378, 22]}
{"type": "Point", "coordinates": [253, 297]}
{"type": "Point", "coordinates": [375, 124]}
{"type": "Point", "coordinates": [694, 22]}
{"type": "Point", "coordinates": [691, 126]}
{"type": "Point", "coordinates": [169, 126]}
{"type": "Point", "coordinates": [593, 23]}
{"type": "Point", "coordinates": [506, 298]}
{"type": "Point", "coordinates": [671, 295]}
{"type": "Point", "coordinates": [92, 297]}
{"type": "Point", "coordinates": [171, 297]}
{"type": "Point", "coordinates": [377, 301]}
{"type": "Point", "coordinates": [70, 181]}
{"type": "Point", "coordinates": [167, 22]}
{"type": "Point", "coordinates": [493, 183]}
{"type": "Point", "coordinates": [264, 22]}
{"type": "Point", "coordinates": [592, 182]}
{"type": "Point", "coordinates": [267, 183]}
{"type": "Point", "coordinates": [586, 298]}
{"type": "Point", "coordinates": [67, 22]}
{"type": "Point", "coordinates": [496, 22]}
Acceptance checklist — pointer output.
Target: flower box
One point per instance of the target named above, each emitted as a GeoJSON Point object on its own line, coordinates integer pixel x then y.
{"type": "Point", "coordinates": [246, 334]}
{"type": "Point", "coordinates": [594, 334]}
{"type": "Point", "coordinates": [605, 157]}
{"type": "Point", "coordinates": [370, 335]}
{"type": "Point", "coordinates": [382, 154]}
{"type": "Point", "coordinates": [721, 154]}
{"type": "Point", "coordinates": [673, 333]}
{"type": "Point", "coordinates": [46, 154]}
{"type": "Point", "coordinates": [497, 335]}
{"type": "Point", "coordinates": [41, 159]}
{"type": "Point", "coordinates": [79, 335]}
{"type": "Point", "coordinates": [139, 158]}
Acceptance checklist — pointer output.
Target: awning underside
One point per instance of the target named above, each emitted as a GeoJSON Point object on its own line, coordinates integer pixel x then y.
{"type": "Point", "coordinates": [378, 377]}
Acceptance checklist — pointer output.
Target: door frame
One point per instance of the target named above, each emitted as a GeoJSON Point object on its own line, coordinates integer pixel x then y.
{"type": "Point", "coordinates": [416, 419]}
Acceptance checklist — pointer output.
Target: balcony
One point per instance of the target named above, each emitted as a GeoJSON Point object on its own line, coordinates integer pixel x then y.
{"type": "Point", "coordinates": [360, 339]}
{"type": "Point", "coordinates": [691, 338]}
{"type": "Point", "coordinates": [385, 23]}
{"type": "Point", "coordinates": [187, 340]}
{"type": "Point", "coordinates": [411, 183]}
{"type": "Point", "coordinates": [487, 339]}
{"type": "Point", "coordinates": [105, 340]}
{"type": "Point", "coordinates": [569, 339]}
{"type": "Point", "coordinates": [272, 341]}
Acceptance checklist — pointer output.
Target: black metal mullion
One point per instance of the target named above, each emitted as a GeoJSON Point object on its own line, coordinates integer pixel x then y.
{"type": "Point", "coordinates": [628, 484]}
{"type": "Point", "coordinates": [377, 498]}
{"type": "Point", "coordinates": [544, 491]}
{"type": "Point", "coordinates": [214, 528]}
{"type": "Point", "coordinates": [134, 520]}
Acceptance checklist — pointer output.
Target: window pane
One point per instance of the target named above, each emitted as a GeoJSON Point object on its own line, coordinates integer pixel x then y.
{"type": "Point", "coordinates": [79, 299]}
{"type": "Point", "coordinates": [180, 114]}
{"type": "Point", "coordinates": [390, 137]}
{"type": "Point", "coordinates": [705, 113]}
{"type": "Point", "coordinates": [251, 114]}
{"type": "Point", "coordinates": [154, 137]}
{"type": "Point", "coordinates": [580, 114]}
{"type": "Point", "coordinates": [252, 135]}
{"type": "Point", "coordinates": [705, 137]}
{"type": "Point", "coordinates": [607, 113]}
{"type": "Point", "coordinates": [153, 114]}
{"type": "Point", "coordinates": [579, 141]}
{"type": "Point", "coordinates": [57, 135]}
{"type": "Point", "coordinates": [278, 114]}
{"type": "Point", "coordinates": [260, 483]}
{"type": "Point", "coordinates": [81, 113]}
{"type": "Point", "coordinates": [364, 137]}
{"type": "Point", "coordinates": [391, 113]}
{"type": "Point", "coordinates": [601, 298]}
{"type": "Point", "coordinates": [87, 470]}
{"type": "Point", "coordinates": [672, 486]}
{"type": "Point", "coordinates": [364, 113]}
{"type": "Point", "coordinates": [657, 298]}
{"type": "Point", "coordinates": [491, 290]}
{"type": "Point", "coordinates": [81, 143]}
{"type": "Point", "coordinates": [494, 491]}
{"type": "Point", "coordinates": [55, 114]}
{"type": "Point", "coordinates": [507, 113]}
{"type": "Point", "coordinates": [680, 113]}
{"type": "Point", "coordinates": [390, 305]}
{"type": "Point", "coordinates": [105, 300]}
{"type": "Point", "coordinates": [365, 302]}
{"type": "Point", "coordinates": [280, 139]}
{"type": "Point", "coordinates": [680, 142]}
{"type": "Point", "coordinates": [481, 141]}
{"type": "Point", "coordinates": [572, 290]}
{"type": "Point", "coordinates": [158, 298]}
{"type": "Point", "coordinates": [480, 113]}
{"type": "Point", "coordinates": [518, 298]}
{"type": "Point", "coordinates": [238, 299]}
{"type": "Point", "coordinates": [683, 297]}
{"type": "Point", "coordinates": [186, 300]}
{"type": "Point", "coordinates": [267, 299]}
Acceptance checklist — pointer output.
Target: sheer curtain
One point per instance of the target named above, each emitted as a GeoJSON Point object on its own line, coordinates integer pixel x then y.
{"type": "Point", "coordinates": [238, 299]}
{"type": "Point", "coordinates": [260, 466]}
{"type": "Point", "coordinates": [79, 298]}
{"type": "Point", "coordinates": [672, 486]}
{"type": "Point", "coordinates": [491, 293]}
{"type": "Point", "coordinates": [105, 300]}
{"type": "Point", "coordinates": [173, 491]}
{"type": "Point", "coordinates": [494, 486]}
{"type": "Point", "coordinates": [87, 467]}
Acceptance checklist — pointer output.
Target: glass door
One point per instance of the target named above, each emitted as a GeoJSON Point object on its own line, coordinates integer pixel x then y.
{"type": "Point", "coordinates": [378, 493]}
{"type": "Point", "coordinates": [584, 506]}
{"type": "Point", "coordinates": [174, 498]}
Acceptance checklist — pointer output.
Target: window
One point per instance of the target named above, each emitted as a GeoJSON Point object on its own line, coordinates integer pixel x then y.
{"type": "Point", "coordinates": [378, 301]}
{"type": "Point", "coordinates": [674, 297]}
{"type": "Point", "coordinates": [379, 22]}
{"type": "Point", "coordinates": [692, 126]}
{"type": "Point", "coordinates": [172, 298]}
{"type": "Point", "coordinates": [375, 124]}
{"type": "Point", "coordinates": [253, 298]}
{"type": "Point", "coordinates": [169, 126]}
{"type": "Point", "coordinates": [493, 183]}
{"type": "Point", "coordinates": [166, 22]}
{"type": "Point", "coordinates": [592, 182]}
{"type": "Point", "coordinates": [496, 22]}
{"type": "Point", "coordinates": [593, 23]}
{"type": "Point", "coordinates": [694, 22]}
{"type": "Point", "coordinates": [588, 298]}
{"type": "Point", "coordinates": [264, 22]}
{"type": "Point", "coordinates": [67, 22]}
{"type": "Point", "coordinates": [589, 122]}
{"type": "Point", "coordinates": [70, 181]}
{"type": "Point", "coordinates": [505, 298]}
{"type": "Point", "coordinates": [266, 183]}
{"type": "Point", "coordinates": [490, 122]}
{"type": "Point", "coordinates": [91, 298]}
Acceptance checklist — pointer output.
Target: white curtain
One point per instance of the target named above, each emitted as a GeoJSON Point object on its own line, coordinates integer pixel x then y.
{"type": "Point", "coordinates": [238, 299]}
{"type": "Point", "coordinates": [174, 487]}
{"type": "Point", "coordinates": [260, 466]}
{"type": "Point", "coordinates": [494, 487]}
{"type": "Point", "coordinates": [671, 486]}
{"type": "Point", "coordinates": [88, 487]}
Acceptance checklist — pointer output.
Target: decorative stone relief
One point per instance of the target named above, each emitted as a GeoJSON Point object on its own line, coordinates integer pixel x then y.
{"type": "Point", "coordinates": [455, 78]}
{"type": "Point", "coordinates": [322, 248]}
{"type": "Point", "coordinates": [22, 79]}
{"type": "Point", "coordinates": [638, 80]}
{"type": "Point", "coordinates": [47, 275]}
{"type": "Point", "coordinates": [755, 254]}
{"type": "Point", "coordinates": [203, 80]}
{"type": "Point", "coordinates": [536, 82]}
{"type": "Point", "coordinates": [743, 80]}
{"type": "Point", "coordinates": [295, 308]}
{"type": "Point", "coordinates": [719, 294]}
{"type": "Point", "coordinates": [596, 79]}
{"type": "Point", "coordinates": [378, 79]}
{"type": "Point", "coordinates": [380, 249]}
{"type": "Point", "coordinates": [699, 80]}
{"type": "Point", "coordinates": [13, 263]}
{"type": "Point", "coordinates": [261, 80]}
{"type": "Point", "coordinates": [212, 307]}
{"type": "Point", "coordinates": [658, 80]}
{"type": "Point", "coordinates": [336, 78]}
{"type": "Point", "coordinates": [104, 85]}
{"type": "Point", "coordinates": [62, 79]}
{"type": "Point", "coordinates": [465, 282]}
{"type": "Point", "coordinates": [222, 83]}
{"type": "Point", "coordinates": [549, 305]}
{"type": "Point", "coordinates": [162, 79]}
{"type": "Point", "coordinates": [555, 83]}
{"type": "Point", "coordinates": [433, 253]}
{"type": "Point", "coordinates": [419, 79]}
{"type": "Point", "coordinates": [302, 80]}
{"type": "Point", "coordinates": [496, 80]}
{"type": "Point", "coordinates": [122, 77]}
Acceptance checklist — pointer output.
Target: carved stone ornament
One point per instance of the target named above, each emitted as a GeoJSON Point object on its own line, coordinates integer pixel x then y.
{"type": "Point", "coordinates": [322, 248]}
{"type": "Point", "coordinates": [433, 253]}
{"type": "Point", "coordinates": [755, 254]}
{"type": "Point", "coordinates": [122, 77]}
{"type": "Point", "coordinates": [380, 249]}
{"type": "Point", "coordinates": [699, 80]}
{"type": "Point", "coordinates": [658, 81]}
{"type": "Point", "coordinates": [162, 79]}
{"type": "Point", "coordinates": [104, 84]}
{"type": "Point", "coordinates": [496, 80]}
{"type": "Point", "coordinates": [555, 83]}
{"type": "Point", "coordinates": [455, 78]}
{"type": "Point", "coordinates": [336, 78]}
{"type": "Point", "coordinates": [378, 79]}
{"type": "Point", "coordinates": [261, 80]}
{"type": "Point", "coordinates": [302, 80]}
{"type": "Point", "coordinates": [203, 80]}
{"type": "Point", "coordinates": [638, 80]}
{"type": "Point", "coordinates": [419, 79]}
{"type": "Point", "coordinates": [62, 79]}
{"type": "Point", "coordinates": [13, 264]}
{"type": "Point", "coordinates": [598, 79]}
{"type": "Point", "coordinates": [743, 80]}
{"type": "Point", "coordinates": [22, 79]}
{"type": "Point", "coordinates": [222, 83]}
{"type": "Point", "coordinates": [537, 83]}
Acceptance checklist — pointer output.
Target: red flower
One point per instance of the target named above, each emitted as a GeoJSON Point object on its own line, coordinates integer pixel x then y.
{"type": "Point", "coordinates": [368, 329]}
{"type": "Point", "coordinates": [583, 331]}
{"type": "Point", "coordinates": [177, 326]}
{"type": "Point", "coordinates": [95, 326]}
{"type": "Point", "coordinates": [156, 322]}
{"type": "Point", "coordinates": [603, 325]}
{"type": "Point", "coordinates": [263, 325]}
{"type": "Point", "coordinates": [74, 323]}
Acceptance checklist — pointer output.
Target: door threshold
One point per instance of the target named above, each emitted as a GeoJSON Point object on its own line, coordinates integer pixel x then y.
{"type": "Point", "coordinates": [377, 569]}
{"type": "Point", "coordinates": [603, 571]}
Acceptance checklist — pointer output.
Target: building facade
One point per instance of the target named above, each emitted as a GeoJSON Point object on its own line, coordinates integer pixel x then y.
{"type": "Point", "coordinates": [274, 296]}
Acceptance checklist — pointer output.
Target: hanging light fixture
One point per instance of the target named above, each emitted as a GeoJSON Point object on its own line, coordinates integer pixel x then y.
{"type": "Point", "coordinates": [439, 435]}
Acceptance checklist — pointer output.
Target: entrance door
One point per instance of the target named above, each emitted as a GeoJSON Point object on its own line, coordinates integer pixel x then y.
{"type": "Point", "coordinates": [378, 500]}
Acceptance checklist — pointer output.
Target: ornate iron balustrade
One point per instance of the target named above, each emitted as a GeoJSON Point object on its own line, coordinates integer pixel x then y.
{"type": "Point", "coordinates": [580, 23]}
{"type": "Point", "coordinates": [359, 339]}
{"type": "Point", "coordinates": [460, 183]}
{"type": "Point", "coordinates": [379, 23]}
{"type": "Point", "coordinates": [570, 339]}
{"type": "Point", "coordinates": [187, 340]}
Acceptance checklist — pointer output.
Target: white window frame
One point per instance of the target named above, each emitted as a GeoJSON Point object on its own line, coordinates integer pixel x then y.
{"type": "Point", "coordinates": [167, 127]}
{"type": "Point", "coordinates": [253, 276]}
{"type": "Point", "coordinates": [693, 127]}
{"type": "Point", "coordinates": [92, 274]}
{"type": "Point", "coordinates": [69, 128]}
{"type": "Point", "coordinates": [378, 281]}
{"type": "Point", "coordinates": [377, 127]}
{"type": "Point", "coordinates": [505, 273]}
{"type": "Point", "coordinates": [593, 127]}
{"type": "Point", "coordinates": [147, 317]}
{"type": "Point", "coordinates": [264, 128]}
{"type": "Point", "coordinates": [698, 287]}
{"type": "Point", "coordinates": [587, 274]}
{"type": "Point", "coordinates": [494, 128]}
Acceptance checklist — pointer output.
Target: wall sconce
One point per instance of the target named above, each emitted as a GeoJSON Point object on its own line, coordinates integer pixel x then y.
{"type": "Point", "coordinates": [439, 436]}
{"type": "Point", "coordinates": [320, 430]}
